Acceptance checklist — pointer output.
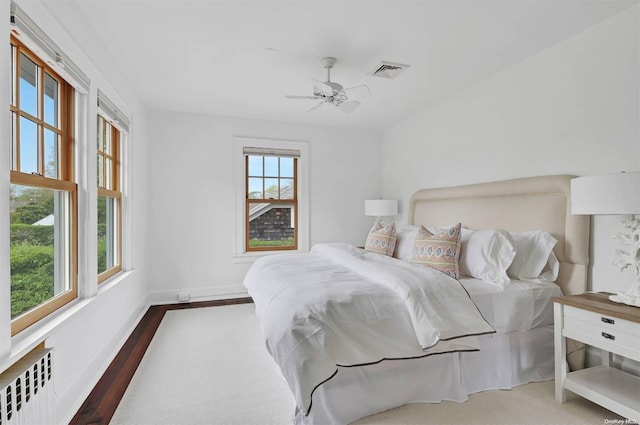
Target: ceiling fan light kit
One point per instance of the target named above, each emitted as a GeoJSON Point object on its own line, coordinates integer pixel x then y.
{"type": "Point", "coordinates": [330, 92]}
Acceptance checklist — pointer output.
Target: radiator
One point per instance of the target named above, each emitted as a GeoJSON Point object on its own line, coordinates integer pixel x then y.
{"type": "Point", "coordinates": [27, 391]}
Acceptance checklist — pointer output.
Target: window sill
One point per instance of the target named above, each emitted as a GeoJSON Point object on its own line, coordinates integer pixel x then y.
{"type": "Point", "coordinates": [113, 280]}
{"type": "Point", "coordinates": [28, 339]}
{"type": "Point", "coordinates": [250, 257]}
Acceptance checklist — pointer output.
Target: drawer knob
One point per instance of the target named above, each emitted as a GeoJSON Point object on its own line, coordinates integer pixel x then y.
{"type": "Point", "coordinates": [607, 320]}
{"type": "Point", "coordinates": [609, 336]}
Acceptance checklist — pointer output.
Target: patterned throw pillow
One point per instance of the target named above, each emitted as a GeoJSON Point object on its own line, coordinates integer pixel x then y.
{"type": "Point", "coordinates": [440, 251]}
{"type": "Point", "coordinates": [381, 239]}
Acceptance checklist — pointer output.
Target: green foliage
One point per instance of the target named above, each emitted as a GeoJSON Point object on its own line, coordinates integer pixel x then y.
{"type": "Point", "coordinates": [32, 252]}
{"type": "Point", "coordinates": [34, 235]}
{"type": "Point", "coordinates": [32, 276]}
{"type": "Point", "coordinates": [102, 209]}
{"type": "Point", "coordinates": [37, 204]}
{"type": "Point", "coordinates": [102, 251]}
{"type": "Point", "coordinates": [102, 230]}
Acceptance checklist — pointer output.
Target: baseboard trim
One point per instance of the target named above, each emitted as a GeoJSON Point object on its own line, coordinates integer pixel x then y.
{"type": "Point", "coordinates": [199, 294]}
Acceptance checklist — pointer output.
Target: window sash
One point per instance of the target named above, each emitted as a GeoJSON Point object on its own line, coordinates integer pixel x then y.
{"type": "Point", "coordinates": [70, 272]}
{"type": "Point", "coordinates": [113, 235]}
{"type": "Point", "coordinates": [108, 154]}
{"type": "Point", "coordinates": [249, 201]}
{"type": "Point", "coordinates": [64, 151]}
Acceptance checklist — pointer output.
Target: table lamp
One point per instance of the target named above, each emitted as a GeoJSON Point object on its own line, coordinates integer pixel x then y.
{"type": "Point", "coordinates": [615, 194]}
{"type": "Point", "coordinates": [381, 208]}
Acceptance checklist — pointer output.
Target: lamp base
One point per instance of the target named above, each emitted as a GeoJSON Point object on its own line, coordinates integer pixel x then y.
{"type": "Point", "coordinates": [624, 258]}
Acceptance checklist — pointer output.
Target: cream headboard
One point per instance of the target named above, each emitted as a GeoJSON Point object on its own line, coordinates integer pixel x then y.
{"type": "Point", "coordinates": [533, 203]}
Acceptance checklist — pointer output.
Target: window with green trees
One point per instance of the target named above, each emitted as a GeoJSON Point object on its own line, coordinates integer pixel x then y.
{"type": "Point", "coordinates": [42, 191]}
{"type": "Point", "coordinates": [109, 200]}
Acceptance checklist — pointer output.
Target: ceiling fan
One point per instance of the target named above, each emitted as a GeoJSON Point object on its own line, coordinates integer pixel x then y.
{"type": "Point", "coordinates": [329, 92]}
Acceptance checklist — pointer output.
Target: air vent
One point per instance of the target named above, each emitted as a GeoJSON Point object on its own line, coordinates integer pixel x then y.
{"type": "Point", "coordinates": [386, 69]}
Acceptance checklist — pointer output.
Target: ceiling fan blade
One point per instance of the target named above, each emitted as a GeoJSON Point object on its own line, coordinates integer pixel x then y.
{"type": "Point", "coordinates": [363, 88]}
{"type": "Point", "coordinates": [348, 106]}
{"type": "Point", "coordinates": [289, 96]}
{"type": "Point", "coordinates": [315, 107]}
{"type": "Point", "coordinates": [323, 88]}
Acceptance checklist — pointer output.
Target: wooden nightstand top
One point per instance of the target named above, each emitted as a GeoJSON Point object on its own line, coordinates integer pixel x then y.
{"type": "Point", "coordinates": [599, 303]}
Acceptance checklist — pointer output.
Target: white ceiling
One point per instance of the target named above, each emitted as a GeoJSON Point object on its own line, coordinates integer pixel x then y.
{"type": "Point", "coordinates": [239, 58]}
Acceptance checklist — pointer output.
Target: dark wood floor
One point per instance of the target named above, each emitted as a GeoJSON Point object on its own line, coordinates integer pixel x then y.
{"type": "Point", "coordinates": [101, 404]}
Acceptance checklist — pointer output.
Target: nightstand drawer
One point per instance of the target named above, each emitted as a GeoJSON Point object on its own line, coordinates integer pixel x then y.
{"type": "Point", "coordinates": [606, 337]}
{"type": "Point", "coordinates": [602, 320]}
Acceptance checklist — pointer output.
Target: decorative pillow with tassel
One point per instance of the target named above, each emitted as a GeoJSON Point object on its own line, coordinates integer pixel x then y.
{"type": "Point", "coordinates": [381, 239]}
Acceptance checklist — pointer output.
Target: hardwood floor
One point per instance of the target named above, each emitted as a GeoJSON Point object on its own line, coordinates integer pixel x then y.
{"type": "Point", "coordinates": [101, 404]}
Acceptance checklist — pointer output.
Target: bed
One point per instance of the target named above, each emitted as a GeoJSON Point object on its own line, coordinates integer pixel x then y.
{"type": "Point", "coordinates": [510, 343]}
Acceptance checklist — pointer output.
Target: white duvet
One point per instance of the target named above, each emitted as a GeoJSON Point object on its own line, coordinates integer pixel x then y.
{"type": "Point", "coordinates": [342, 306]}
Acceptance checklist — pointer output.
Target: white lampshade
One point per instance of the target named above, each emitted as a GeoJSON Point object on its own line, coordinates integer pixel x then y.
{"type": "Point", "coordinates": [609, 194]}
{"type": "Point", "coordinates": [381, 207]}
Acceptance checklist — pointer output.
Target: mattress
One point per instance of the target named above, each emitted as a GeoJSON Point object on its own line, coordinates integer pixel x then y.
{"type": "Point", "coordinates": [522, 305]}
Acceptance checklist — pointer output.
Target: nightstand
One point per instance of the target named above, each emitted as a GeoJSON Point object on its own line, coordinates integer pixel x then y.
{"type": "Point", "coordinates": [614, 328]}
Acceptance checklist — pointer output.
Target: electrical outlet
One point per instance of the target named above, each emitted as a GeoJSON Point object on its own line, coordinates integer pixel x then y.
{"type": "Point", "coordinates": [184, 297]}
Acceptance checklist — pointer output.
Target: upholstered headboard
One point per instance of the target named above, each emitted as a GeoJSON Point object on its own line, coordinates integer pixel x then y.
{"type": "Point", "coordinates": [533, 203]}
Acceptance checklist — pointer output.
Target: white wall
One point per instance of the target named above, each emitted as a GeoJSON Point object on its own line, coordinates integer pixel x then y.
{"type": "Point", "coordinates": [5, 134]}
{"type": "Point", "coordinates": [86, 334]}
{"type": "Point", "coordinates": [193, 190]}
{"type": "Point", "coordinates": [571, 109]}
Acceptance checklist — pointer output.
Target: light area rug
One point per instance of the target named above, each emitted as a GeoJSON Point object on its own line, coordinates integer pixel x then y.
{"type": "Point", "coordinates": [206, 366]}
{"type": "Point", "coordinates": [210, 366]}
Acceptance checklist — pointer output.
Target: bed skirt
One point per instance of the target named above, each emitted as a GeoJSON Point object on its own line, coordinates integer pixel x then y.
{"type": "Point", "coordinates": [504, 361]}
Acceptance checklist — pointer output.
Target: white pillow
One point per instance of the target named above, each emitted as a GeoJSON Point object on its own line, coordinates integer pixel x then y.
{"type": "Point", "coordinates": [551, 270]}
{"type": "Point", "coordinates": [405, 238]}
{"type": "Point", "coordinates": [534, 250]}
{"type": "Point", "coordinates": [486, 255]}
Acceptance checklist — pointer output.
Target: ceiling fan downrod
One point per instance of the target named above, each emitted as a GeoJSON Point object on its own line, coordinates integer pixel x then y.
{"type": "Point", "coordinates": [328, 64]}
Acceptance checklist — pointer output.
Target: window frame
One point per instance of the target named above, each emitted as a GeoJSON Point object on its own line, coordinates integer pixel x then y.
{"type": "Point", "coordinates": [115, 191]}
{"type": "Point", "coordinates": [302, 193]}
{"type": "Point", "coordinates": [65, 179]}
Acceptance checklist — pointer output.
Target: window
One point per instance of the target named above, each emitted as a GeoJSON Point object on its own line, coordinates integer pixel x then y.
{"type": "Point", "coordinates": [272, 199]}
{"type": "Point", "coordinates": [43, 193]}
{"type": "Point", "coordinates": [109, 200]}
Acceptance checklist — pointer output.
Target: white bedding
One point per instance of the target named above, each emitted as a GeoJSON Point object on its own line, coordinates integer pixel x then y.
{"type": "Point", "coordinates": [503, 362]}
{"type": "Point", "coordinates": [522, 305]}
{"type": "Point", "coordinates": [342, 306]}
{"type": "Point", "coordinates": [521, 352]}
